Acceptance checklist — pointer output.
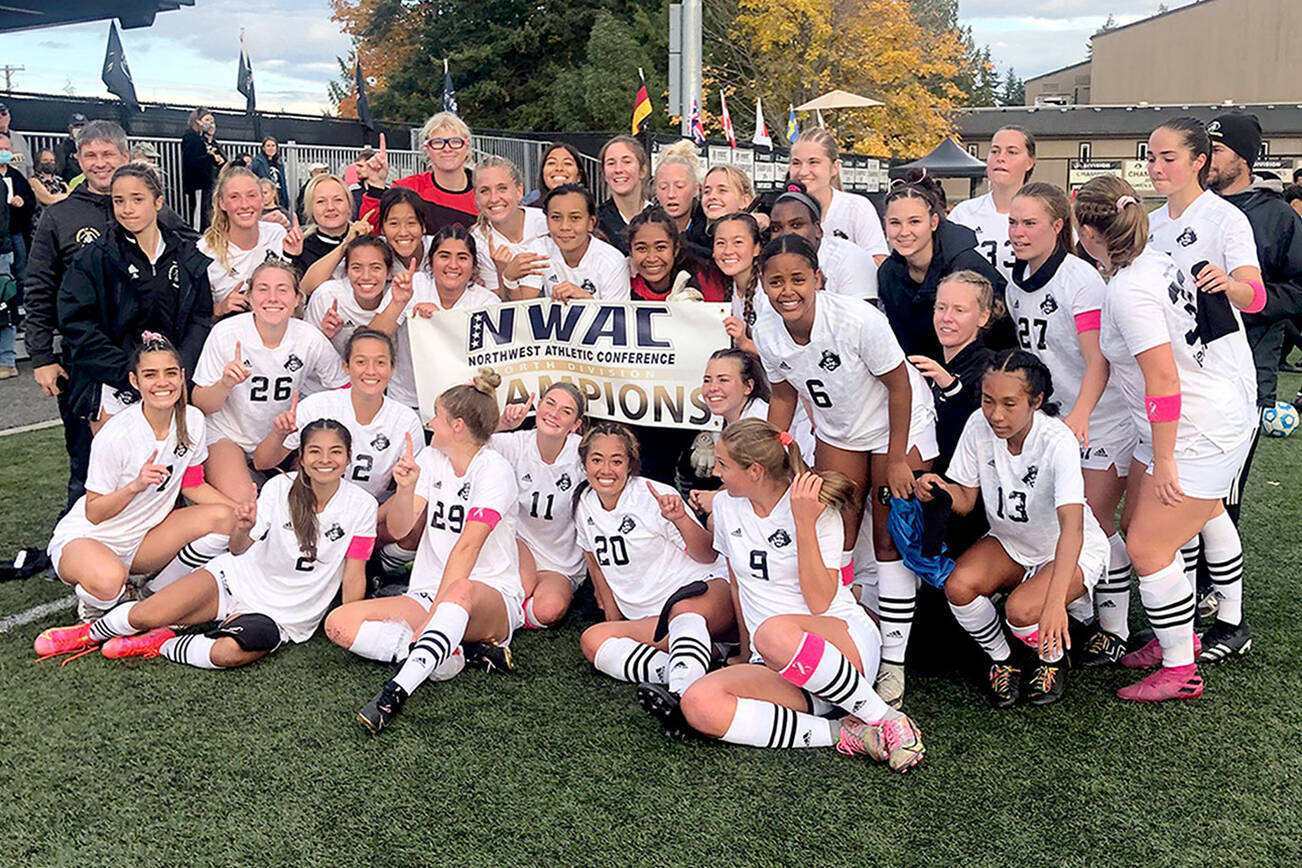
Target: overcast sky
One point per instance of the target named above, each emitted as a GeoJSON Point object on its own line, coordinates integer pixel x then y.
{"type": "Point", "coordinates": [190, 55]}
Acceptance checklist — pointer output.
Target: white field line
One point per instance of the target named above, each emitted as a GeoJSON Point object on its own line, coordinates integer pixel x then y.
{"type": "Point", "coordinates": [36, 613]}
{"type": "Point", "coordinates": [36, 426]}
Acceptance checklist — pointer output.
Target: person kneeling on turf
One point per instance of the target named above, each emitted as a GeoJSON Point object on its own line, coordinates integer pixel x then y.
{"type": "Point", "coordinates": [312, 531]}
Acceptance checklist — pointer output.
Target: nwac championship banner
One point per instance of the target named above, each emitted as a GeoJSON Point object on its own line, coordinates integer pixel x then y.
{"type": "Point", "coordinates": [637, 362]}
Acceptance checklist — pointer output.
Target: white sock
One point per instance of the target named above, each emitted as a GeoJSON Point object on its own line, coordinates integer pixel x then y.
{"type": "Point", "coordinates": [394, 558]}
{"type": "Point", "coordinates": [1029, 635]}
{"type": "Point", "coordinates": [689, 650]}
{"type": "Point", "coordinates": [1224, 552]}
{"type": "Point", "coordinates": [1081, 609]}
{"type": "Point", "coordinates": [192, 556]}
{"type": "Point", "coordinates": [824, 671]}
{"type": "Point", "coordinates": [385, 641]}
{"type": "Point", "coordinates": [91, 600]}
{"type": "Point", "coordinates": [530, 618]}
{"type": "Point", "coordinates": [442, 634]}
{"type": "Point", "coordinates": [627, 659]}
{"type": "Point", "coordinates": [194, 649]}
{"type": "Point", "coordinates": [980, 619]}
{"type": "Point", "coordinates": [898, 587]}
{"type": "Point", "coordinates": [764, 724]}
{"type": "Point", "coordinates": [1170, 607]}
{"type": "Point", "coordinates": [1112, 593]}
{"type": "Point", "coordinates": [1190, 552]}
{"type": "Point", "coordinates": [114, 623]}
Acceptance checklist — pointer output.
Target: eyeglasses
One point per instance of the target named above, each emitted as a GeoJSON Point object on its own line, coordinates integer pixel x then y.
{"type": "Point", "coordinates": [456, 143]}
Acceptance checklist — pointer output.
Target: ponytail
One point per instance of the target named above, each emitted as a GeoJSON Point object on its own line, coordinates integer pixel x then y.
{"type": "Point", "coordinates": [1110, 206]}
{"type": "Point", "coordinates": [756, 441]}
{"type": "Point", "coordinates": [302, 497]}
{"type": "Point", "coordinates": [152, 342]}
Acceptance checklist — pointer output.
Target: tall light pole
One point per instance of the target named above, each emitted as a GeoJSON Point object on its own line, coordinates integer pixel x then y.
{"type": "Point", "coordinates": [691, 75]}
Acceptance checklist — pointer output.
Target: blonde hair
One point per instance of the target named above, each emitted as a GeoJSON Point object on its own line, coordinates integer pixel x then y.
{"type": "Point", "coordinates": [755, 441]}
{"type": "Point", "coordinates": [1110, 206]}
{"type": "Point", "coordinates": [310, 190]}
{"type": "Point", "coordinates": [475, 403]}
{"type": "Point", "coordinates": [682, 153]}
{"type": "Point", "coordinates": [265, 184]}
{"type": "Point", "coordinates": [495, 162]}
{"type": "Point", "coordinates": [739, 181]}
{"type": "Point", "coordinates": [985, 293]}
{"type": "Point", "coordinates": [445, 121]}
{"type": "Point", "coordinates": [217, 235]}
{"type": "Point", "coordinates": [825, 140]}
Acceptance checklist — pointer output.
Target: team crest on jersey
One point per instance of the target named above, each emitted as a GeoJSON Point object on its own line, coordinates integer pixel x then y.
{"type": "Point", "coordinates": [293, 363]}
{"type": "Point", "coordinates": [627, 524]}
{"type": "Point", "coordinates": [87, 235]}
{"type": "Point", "coordinates": [1187, 238]}
{"type": "Point", "coordinates": [840, 234]}
{"type": "Point", "coordinates": [830, 361]}
{"type": "Point", "coordinates": [589, 286]}
{"type": "Point", "coordinates": [779, 538]}
{"type": "Point", "coordinates": [464, 491]}
{"type": "Point", "coordinates": [564, 482]}
{"type": "Point", "coordinates": [380, 443]}
{"type": "Point", "coordinates": [335, 533]}
{"type": "Point", "coordinates": [133, 272]}
{"type": "Point", "coordinates": [180, 450]}
{"type": "Point", "coordinates": [1032, 473]}
{"type": "Point", "coordinates": [1048, 305]}
{"type": "Point", "coordinates": [174, 275]}
{"type": "Point", "coordinates": [127, 397]}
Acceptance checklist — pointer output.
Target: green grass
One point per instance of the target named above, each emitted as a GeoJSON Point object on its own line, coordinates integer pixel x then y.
{"type": "Point", "coordinates": [149, 763]}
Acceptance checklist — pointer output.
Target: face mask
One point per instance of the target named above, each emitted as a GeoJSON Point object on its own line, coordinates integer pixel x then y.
{"type": "Point", "coordinates": [209, 127]}
{"type": "Point", "coordinates": [45, 168]}
{"type": "Point", "coordinates": [6, 157]}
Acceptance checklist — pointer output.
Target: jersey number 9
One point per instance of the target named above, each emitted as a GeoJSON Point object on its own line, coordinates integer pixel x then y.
{"type": "Point", "coordinates": [759, 564]}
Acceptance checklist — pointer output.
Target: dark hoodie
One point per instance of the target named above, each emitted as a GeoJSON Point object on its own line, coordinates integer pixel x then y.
{"type": "Point", "coordinates": [1277, 230]}
{"type": "Point", "coordinates": [908, 304]}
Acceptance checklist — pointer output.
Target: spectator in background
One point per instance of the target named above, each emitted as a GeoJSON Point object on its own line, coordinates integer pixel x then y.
{"type": "Point", "coordinates": [561, 164]}
{"type": "Point", "coordinates": [66, 155]}
{"type": "Point", "coordinates": [48, 185]}
{"type": "Point", "coordinates": [18, 193]}
{"type": "Point", "coordinates": [1297, 176]}
{"type": "Point", "coordinates": [358, 178]}
{"type": "Point", "coordinates": [8, 294]}
{"type": "Point", "coordinates": [447, 189]}
{"type": "Point", "coordinates": [243, 160]}
{"type": "Point", "coordinates": [201, 159]}
{"type": "Point", "coordinates": [271, 208]}
{"type": "Point", "coordinates": [268, 164]}
{"type": "Point", "coordinates": [1293, 196]}
{"type": "Point", "coordinates": [22, 151]}
{"type": "Point", "coordinates": [313, 170]}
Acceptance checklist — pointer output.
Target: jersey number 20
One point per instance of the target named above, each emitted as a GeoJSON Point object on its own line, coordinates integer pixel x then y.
{"type": "Point", "coordinates": [611, 550]}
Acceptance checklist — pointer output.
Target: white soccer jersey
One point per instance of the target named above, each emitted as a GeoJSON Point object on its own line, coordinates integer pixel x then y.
{"type": "Point", "coordinates": [854, 218]}
{"type": "Point", "coordinates": [603, 271]}
{"type": "Point", "coordinates": [399, 266]}
{"type": "Point", "coordinates": [274, 578]}
{"type": "Point", "coordinates": [1149, 303]}
{"type": "Point", "coordinates": [847, 268]}
{"type": "Point", "coordinates": [376, 447]}
{"type": "Point", "coordinates": [1022, 493]}
{"type": "Point", "coordinates": [271, 238]}
{"type": "Point", "coordinates": [1050, 311]}
{"type": "Point", "coordinates": [850, 346]}
{"type": "Point", "coordinates": [535, 226]}
{"type": "Point", "coordinates": [991, 230]}
{"type": "Point", "coordinates": [117, 453]}
{"type": "Point", "coordinates": [1213, 230]}
{"type": "Point", "coordinates": [762, 553]}
{"type": "Point", "coordinates": [487, 492]}
{"type": "Point", "coordinates": [642, 556]}
{"type": "Point", "coordinates": [275, 374]}
{"type": "Point", "coordinates": [402, 386]}
{"type": "Point", "coordinates": [546, 499]}
{"type": "Point", "coordinates": [350, 310]}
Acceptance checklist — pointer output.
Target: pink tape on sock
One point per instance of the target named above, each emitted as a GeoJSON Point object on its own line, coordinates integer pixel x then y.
{"type": "Point", "coordinates": [847, 574]}
{"type": "Point", "coordinates": [802, 666]}
{"type": "Point", "coordinates": [1031, 641]}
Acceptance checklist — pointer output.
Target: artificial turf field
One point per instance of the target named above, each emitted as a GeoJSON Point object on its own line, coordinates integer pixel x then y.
{"type": "Point", "coordinates": [144, 762]}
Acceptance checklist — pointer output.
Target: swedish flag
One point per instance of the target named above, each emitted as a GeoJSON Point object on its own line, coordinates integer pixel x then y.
{"type": "Point", "coordinates": [793, 128]}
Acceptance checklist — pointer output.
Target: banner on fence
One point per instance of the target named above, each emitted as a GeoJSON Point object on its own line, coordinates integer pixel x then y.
{"type": "Point", "coordinates": [637, 362]}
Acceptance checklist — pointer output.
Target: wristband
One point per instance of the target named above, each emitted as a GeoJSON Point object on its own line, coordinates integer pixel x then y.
{"type": "Point", "coordinates": [1258, 296]}
{"type": "Point", "coordinates": [1162, 408]}
{"type": "Point", "coordinates": [509, 283]}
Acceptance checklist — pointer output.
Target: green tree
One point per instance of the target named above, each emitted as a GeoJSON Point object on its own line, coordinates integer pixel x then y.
{"type": "Point", "coordinates": [1013, 90]}
{"type": "Point", "coordinates": [1110, 24]}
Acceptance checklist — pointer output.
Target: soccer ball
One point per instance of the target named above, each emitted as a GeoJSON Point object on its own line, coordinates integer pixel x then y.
{"type": "Point", "coordinates": [1280, 420]}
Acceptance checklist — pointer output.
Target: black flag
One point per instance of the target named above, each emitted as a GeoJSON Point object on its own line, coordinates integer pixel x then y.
{"type": "Point", "coordinates": [117, 75]}
{"type": "Point", "coordinates": [363, 104]}
{"type": "Point", "coordinates": [244, 83]}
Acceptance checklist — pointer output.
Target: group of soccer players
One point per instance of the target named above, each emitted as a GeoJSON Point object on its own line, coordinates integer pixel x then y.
{"type": "Point", "coordinates": [258, 460]}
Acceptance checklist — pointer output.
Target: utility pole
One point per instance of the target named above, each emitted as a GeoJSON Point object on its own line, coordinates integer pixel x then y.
{"type": "Point", "coordinates": [691, 54]}
{"type": "Point", "coordinates": [9, 71]}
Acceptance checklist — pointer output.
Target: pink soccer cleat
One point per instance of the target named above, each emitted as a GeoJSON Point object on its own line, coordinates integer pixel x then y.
{"type": "Point", "coordinates": [1150, 656]}
{"type": "Point", "coordinates": [899, 740]}
{"type": "Point", "coordinates": [64, 640]}
{"type": "Point", "coordinates": [1169, 682]}
{"type": "Point", "coordinates": [140, 645]}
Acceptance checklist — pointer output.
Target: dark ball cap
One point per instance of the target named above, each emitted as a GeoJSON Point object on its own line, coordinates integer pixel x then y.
{"type": "Point", "coordinates": [77, 120]}
{"type": "Point", "coordinates": [1240, 133]}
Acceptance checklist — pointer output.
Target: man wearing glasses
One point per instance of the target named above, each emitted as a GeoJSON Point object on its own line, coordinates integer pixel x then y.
{"type": "Point", "coordinates": [447, 189]}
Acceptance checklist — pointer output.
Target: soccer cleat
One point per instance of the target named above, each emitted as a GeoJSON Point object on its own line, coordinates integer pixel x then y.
{"type": "Point", "coordinates": [86, 612]}
{"type": "Point", "coordinates": [890, 684]}
{"type": "Point", "coordinates": [488, 656]}
{"type": "Point", "coordinates": [451, 667]}
{"type": "Point", "coordinates": [899, 741]}
{"type": "Point", "coordinates": [1150, 655]}
{"type": "Point", "coordinates": [1102, 649]}
{"type": "Point", "coordinates": [859, 738]}
{"type": "Point", "coordinates": [1223, 641]}
{"type": "Point", "coordinates": [377, 713]}
{"type": "Point", "coordinates": [1005, 685]}
{"type": "Point", "coordinates": [662, 703]}
{"type": "Point", "coordinates": [1175, 682]}
{"type": "Point", "coordinates": [140, 645]}
{"type": "Point", "coordinates": [1047, 684]}
{"type": "Point", "coordinates": [1208, 606]}
{"type": "Point", "coordinates": [64, 640]}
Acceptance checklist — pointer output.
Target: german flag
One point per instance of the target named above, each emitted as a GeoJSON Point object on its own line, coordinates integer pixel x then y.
{"type": "Point", "coordinates": [641, 103]}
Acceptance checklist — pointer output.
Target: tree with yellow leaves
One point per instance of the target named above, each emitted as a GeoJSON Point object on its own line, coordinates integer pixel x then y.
{"type": "Point", "coordinates": [385, 37]}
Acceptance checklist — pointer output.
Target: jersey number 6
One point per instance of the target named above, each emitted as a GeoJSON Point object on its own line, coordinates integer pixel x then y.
{"type": "Point", "coordinates": [817, 395]}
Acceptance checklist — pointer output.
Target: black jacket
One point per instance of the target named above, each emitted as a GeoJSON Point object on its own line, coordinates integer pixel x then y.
{"type": "Point", "coordinates": [956, 404]}
{"type": "Point", "coordinates": [20, 219]}
{"type": "Point", "coordinates": [1277, 230]}
{"type": "Point", "coordinates": [612, 226]}
{"type": "Point", "coordinates": [101, 314]}
{"type": "Point", "coordinates": [198, 166]}
{"type": "Point", "coordinates": [64, 228]}
{"type": "Point", "coordinates": [908, 305]}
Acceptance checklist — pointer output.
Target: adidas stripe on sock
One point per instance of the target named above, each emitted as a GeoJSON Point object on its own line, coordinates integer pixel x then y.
{"type": "Point", "coordinates": [1224, 551]}
{"type": "Point", "coordinates": [980, 619]}
{"type": "Point", "coordinates": [824, 671]}
{"type": "Point", "coordinates": [192, 556]}
{"type": "Point", "coordinates": [626, 659]}
{"type": "Point", "coordinates": [441, 635]}
{"type": "Point", "coordinates": [1112, 593]}
{"type": "Point", "coordinates": [765, 724]}
{"type": "Point", "coordinates": [116, 622]}
{"type": "Point", "coordinates": [1190, 553]}
{"type": "Point", "coordinates": [194, 649]}
{"type": "Point", "coordinates": [1170, 606]}
{"type": "Point", "coordinates": [898, 589]}
{"type": "Point", "coordinates": [689, 650]}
